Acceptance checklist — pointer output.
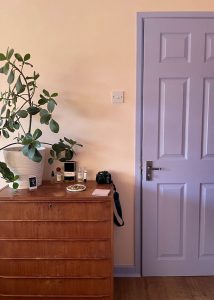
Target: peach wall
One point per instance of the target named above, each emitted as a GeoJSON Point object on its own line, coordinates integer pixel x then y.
{"type": "Point", "coordinates": [84, 49]}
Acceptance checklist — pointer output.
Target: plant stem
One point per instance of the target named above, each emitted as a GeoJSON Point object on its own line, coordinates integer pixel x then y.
{"type": "Point", "coordinates": [17, 119]}
{"type": "Point", "coordinates": [28, 91]}
{"type": "Point", "coordinates": [10, 145]}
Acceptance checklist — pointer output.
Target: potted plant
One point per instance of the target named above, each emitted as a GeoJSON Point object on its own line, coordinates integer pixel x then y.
{"type": "Point", "coordinates": [18, 103]}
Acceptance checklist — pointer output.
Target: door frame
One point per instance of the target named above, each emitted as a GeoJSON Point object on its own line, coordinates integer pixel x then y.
{"type": "Point", "coordinates": [141, 17]}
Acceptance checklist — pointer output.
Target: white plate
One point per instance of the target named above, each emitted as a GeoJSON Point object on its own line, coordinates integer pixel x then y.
{"type": "Point", "coordinates": [76, 188]}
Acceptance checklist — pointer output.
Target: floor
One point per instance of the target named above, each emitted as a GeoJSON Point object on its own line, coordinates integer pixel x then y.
{"type": "Point", "coordinates": [164, 288]}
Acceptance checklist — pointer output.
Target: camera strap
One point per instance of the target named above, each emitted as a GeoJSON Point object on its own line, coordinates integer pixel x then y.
{"type": "Point", "coordinates": [118, 210]}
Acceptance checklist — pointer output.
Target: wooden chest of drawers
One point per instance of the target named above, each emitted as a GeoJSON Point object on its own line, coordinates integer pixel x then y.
{"type": "Point", "coordinates": [56, 244]}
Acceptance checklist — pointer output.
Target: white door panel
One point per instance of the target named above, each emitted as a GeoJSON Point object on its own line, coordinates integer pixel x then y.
{"type": "Point", "coordinates": [178, 136]}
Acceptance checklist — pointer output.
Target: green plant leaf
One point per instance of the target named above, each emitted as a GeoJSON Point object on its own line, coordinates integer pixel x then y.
{"type": "Point", "coordinates": [36, 144]}
{"type": "Point", "coordinates": [53, 100]}
{"type": "Point", "coordinates": [46, 93]}
{"type": "Point", "coordinates": [26, 57]}
{"type": "Point", "coordinates": [16, 177]}
{"type": "Point", "coordinates": [11, 77]}
{"type": "Point", "coordinates": [6, 68]}
{"type": "Point", "coordinates": [37, 133]}
{"type": "Point", "coordinates": [27, 139]}
{"type": "Point", "coordinates": [45, 119]}
{"type": "Point", "coordinates": [19, 85]}
{"type": "Point", "coordinates": [42, 101]}
{"type": "Point", "coordinates": [18, 57]}
{"type": "Point", "coordinates": [15, 185]}
{"type": "Point", "coordinates": [10, 54]}
{"type": "Point", "coordinates": [6, 173]}
{"type": "Point", "coordinates": [36, 76]}
{"type": "Point", "coordinates": [52, 153]}
{"type": "Point", "coordinates": [57, 148]}
{"type": "Point", "coordinates": [16, 125]}
{"type": "Point", "coordinates": [37, 156]}
{"type": "Point", "coordinates": [54, 95]}
{"type": "Point", "coordinates": [3, 108]}
{"type": "Point", "coordinates": [22, 89]}
{"type": "Point", "coordinates": [22, 113]}
{"type": "Point", "coordinates": [43, 112]}
{"type": "Point", "coordinates": [33, 110]}
{"type": "Point", "coordinates": [68, 154]}
{"type": "Point", "coordinates": [2, 57]}
{"type": "Point", "coordinates": [9, 125]}
{"type": "Point", "coordinates": [31, 152]}
{"type": "Point", "coordinates": [51, 106]}
{"type": "Point", "coordinates": [70, 141]}
{"type": "Point", "coordinates": [10, 122]}
{"type": "Point", "coordinates": [63, 159]}
{"type": "Point", "coordinates": [8, 113]}
{"type": "Point", "coordinates": [5, 133]}
{"type": "Point", "coordinates": [50, 160]}
{"type": "Point", "coordinates": [25, 150]}
{"type": "Point", "coordinates": [54, 126]}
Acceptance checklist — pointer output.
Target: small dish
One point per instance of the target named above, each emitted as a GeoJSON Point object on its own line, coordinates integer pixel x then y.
{"type": "Point", "coordinates": [76, 188]}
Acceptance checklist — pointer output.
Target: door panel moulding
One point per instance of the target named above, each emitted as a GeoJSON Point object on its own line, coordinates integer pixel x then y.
{"type": "Point", "coordinates": [136, 269]}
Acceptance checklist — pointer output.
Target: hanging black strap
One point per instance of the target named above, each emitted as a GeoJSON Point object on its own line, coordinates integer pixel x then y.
{"type": "Point", "coordinates": [117, 207]}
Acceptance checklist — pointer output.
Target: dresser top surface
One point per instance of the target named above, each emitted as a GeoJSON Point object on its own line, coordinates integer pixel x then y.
{"type": "Point", "coordinates": [57, 191]}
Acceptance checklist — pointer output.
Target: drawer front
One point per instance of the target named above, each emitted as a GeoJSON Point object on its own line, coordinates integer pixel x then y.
{"type": "Point", "coordinates": [52, 210]}
{"type": "Point", "coordinates": [55, 248]}
{"type": "Point", "coordinates": [54, 229]}
{"type": "Point", "coordinates": [54, 298]}
{"type": "Point", "coordinates": [53, 286]}
{"type": "Point", "coordinates": [56, 267]}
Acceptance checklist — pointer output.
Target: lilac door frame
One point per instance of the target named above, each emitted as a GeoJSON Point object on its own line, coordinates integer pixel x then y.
{"type": "Point", "coordinates": [136, 269]}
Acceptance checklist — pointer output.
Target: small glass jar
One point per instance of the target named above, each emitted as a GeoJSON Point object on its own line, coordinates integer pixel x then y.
{"type": "Point", "coordinates": [85, 175]}
{"type": "Point", "coordinates": [59, 176]}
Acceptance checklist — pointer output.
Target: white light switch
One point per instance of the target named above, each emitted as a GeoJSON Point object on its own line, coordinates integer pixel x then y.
{"type": "Point", "coordinates": [117, 96]}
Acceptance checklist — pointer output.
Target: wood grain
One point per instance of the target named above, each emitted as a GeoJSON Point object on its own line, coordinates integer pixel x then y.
{"type": "Point", "coordinates": [164, 288]}
{"type": "Point", "coordinates": [56, 244]}
{"type": "Point", "coordinates": [58, 297]}
{"type": "Point", "coordinates": [56, 267]}
{"type": "Point", "coordinates": [55, 210]}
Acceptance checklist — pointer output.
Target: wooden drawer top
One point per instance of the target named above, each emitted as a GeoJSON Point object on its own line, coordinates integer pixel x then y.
{"type": "Point", "coordinates": [57, 191]}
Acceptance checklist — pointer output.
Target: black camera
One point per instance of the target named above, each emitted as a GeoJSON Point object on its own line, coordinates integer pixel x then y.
{"type": "Point", "coordinates": [103, 177]}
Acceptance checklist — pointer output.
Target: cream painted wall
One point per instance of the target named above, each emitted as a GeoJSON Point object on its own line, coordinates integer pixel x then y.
{"type": "Point", "coordinates": [84, 49]}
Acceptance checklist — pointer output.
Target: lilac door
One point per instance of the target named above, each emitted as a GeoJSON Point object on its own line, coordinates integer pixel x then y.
{"type": "Point", "coordinates": [178, 137]}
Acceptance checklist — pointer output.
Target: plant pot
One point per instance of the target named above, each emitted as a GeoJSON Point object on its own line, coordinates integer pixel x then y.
{"type": "Point", "coordinates": [23, 166]}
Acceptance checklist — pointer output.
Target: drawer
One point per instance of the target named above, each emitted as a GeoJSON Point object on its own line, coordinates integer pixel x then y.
{"type": "Point", "coordinates": [52, 210]}
{"type": "Point", "coordinates": [52, 286]}
{"type": "Point", "coordinates": [55, 248]}
{"type": "Point", "coordinates": [56, 267]}
{"type": "Point", "coordinates": [54, 298]}
{"type": "Point", "coordinates": [54, 229]}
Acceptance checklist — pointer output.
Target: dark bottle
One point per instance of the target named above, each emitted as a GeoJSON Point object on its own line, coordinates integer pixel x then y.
{"type": "Point", "coordinates": [52, 180]}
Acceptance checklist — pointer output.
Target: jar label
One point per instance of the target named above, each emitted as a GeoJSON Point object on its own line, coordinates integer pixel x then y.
{"type": "Point", "coordinates": [69, 174]}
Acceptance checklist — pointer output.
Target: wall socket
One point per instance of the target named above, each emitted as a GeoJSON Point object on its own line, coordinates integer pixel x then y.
{"type": "Point", "coordinates": [117, 96]}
